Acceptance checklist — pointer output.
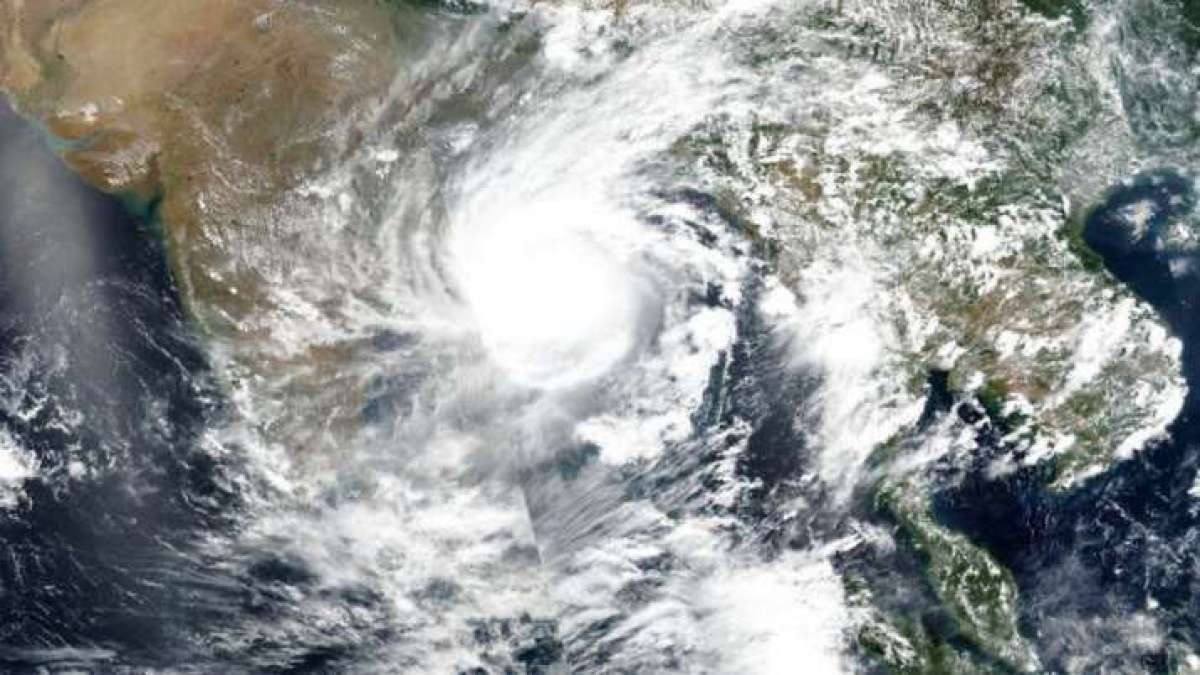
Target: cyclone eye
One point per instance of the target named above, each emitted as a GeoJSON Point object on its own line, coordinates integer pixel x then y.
{"type": "Point", "coordinates": [553, 307]}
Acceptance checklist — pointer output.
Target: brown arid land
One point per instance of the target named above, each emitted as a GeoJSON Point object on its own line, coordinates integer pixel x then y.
{"type": "Point", "coordinates": [215, 111]}
{"type": "Point", "coordinates": [214, 106]}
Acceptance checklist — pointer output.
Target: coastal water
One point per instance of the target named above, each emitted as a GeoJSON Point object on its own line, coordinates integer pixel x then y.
{"type": "Point", "coordinates": [102, 392]}
{"type": "Point", "coordinates": [529, 392]}
{"type": "Point", "coordinates": [1125, 541]}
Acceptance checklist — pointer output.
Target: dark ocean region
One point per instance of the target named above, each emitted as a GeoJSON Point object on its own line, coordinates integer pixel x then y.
{"type": "Point", "coordinates": [103, 383]}
{"type": "Point", "coordinates": [1127, 540]}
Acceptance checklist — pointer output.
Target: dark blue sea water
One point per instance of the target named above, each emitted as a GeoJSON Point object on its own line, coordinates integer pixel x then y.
{"type": "Point", "coordinates": [1127, 540]}
{"type": "Point", "coordinates": [102, 380]}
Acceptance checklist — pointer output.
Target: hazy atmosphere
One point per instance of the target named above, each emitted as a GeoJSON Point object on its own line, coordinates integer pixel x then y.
{"type": "Point", "coordinates": [599, 336]}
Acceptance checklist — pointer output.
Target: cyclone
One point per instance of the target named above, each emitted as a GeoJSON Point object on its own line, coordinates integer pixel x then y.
{"type": "Point", "coordinates": [743, 336]}
{"type": "Point", "coordinates": [553, 307]}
